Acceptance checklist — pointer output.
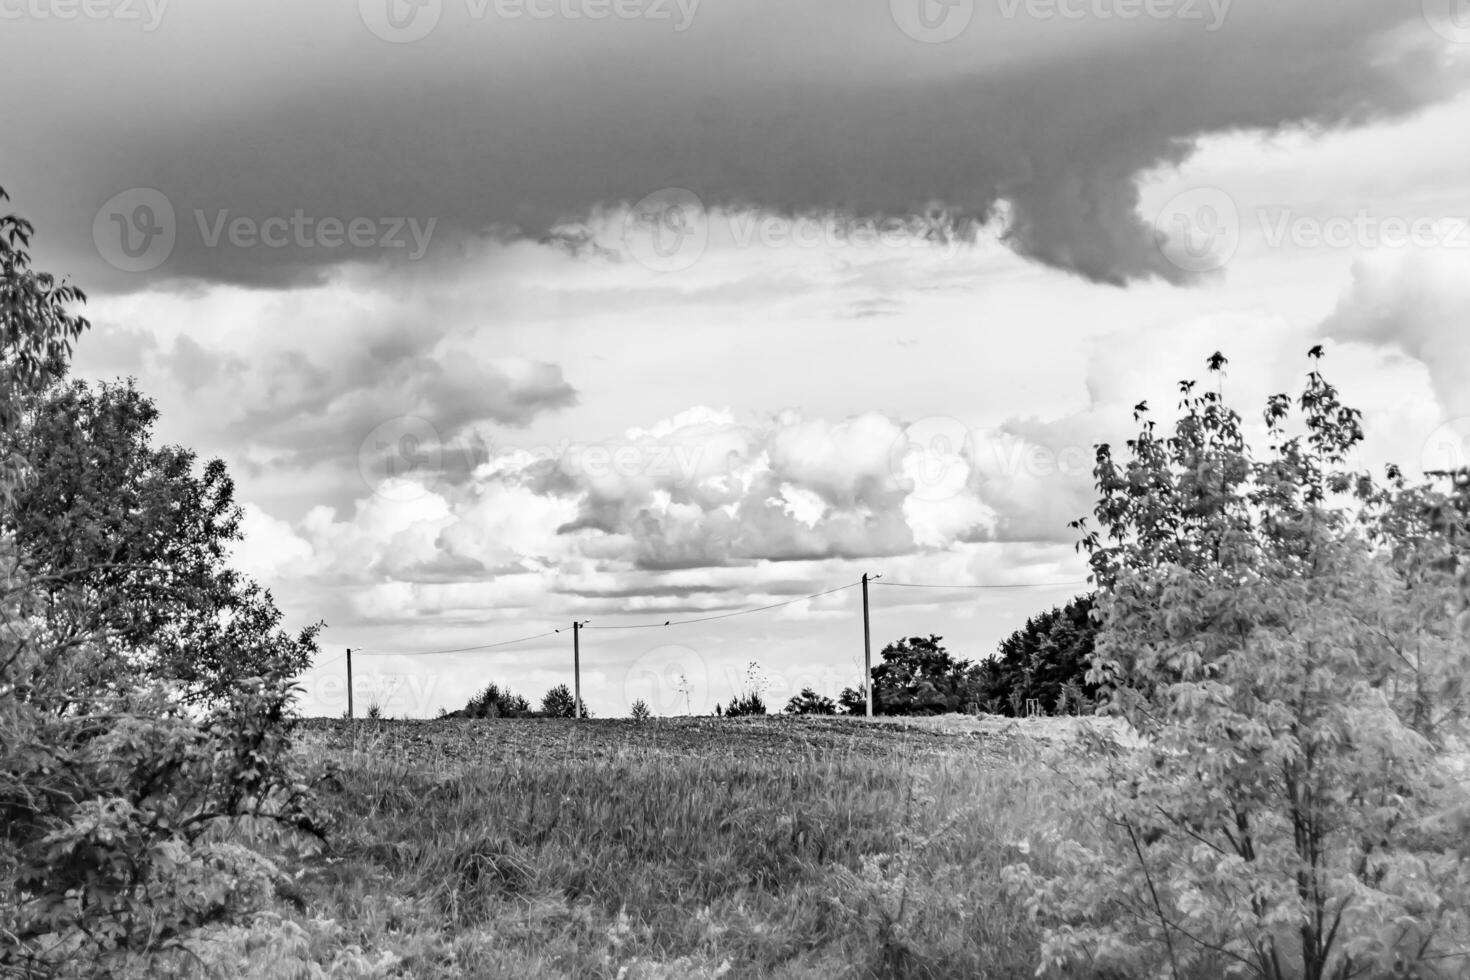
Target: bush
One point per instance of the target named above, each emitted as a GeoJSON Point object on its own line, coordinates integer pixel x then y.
{"type": "Point", "coordinates": [559, 703]}
{"type": "Point", "coordinates": [1281, 635]}
{"type": "Point", "coordinates": [749, 703]}
{"type": "Point", "coordinates": [640, 710]}
{"type": "Point", "coordinates": [135, 807]}
{"type": "Point", "coordinates": [809, 702]}
{"type": "Point", "coordinates": [493, 702]}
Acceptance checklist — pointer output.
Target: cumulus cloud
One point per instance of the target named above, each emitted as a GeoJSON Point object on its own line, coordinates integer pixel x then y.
{"type": "Point", "coordinates": [1419, 305]}
{"type": "Point", "coordinates": [516, 126]}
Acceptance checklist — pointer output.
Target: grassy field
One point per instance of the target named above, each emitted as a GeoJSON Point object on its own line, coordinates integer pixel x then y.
{"type": "Point", "coordinates": [678, 849]}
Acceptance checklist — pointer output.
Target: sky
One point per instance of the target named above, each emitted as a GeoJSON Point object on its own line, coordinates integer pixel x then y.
{"type": "Point", "coordinates": [507, 314]}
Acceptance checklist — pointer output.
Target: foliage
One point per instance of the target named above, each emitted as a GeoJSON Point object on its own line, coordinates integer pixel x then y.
{"type": "Point", "coordinates": [129, 527]}
{"type": "Point", "coordinates": [1280, 632]}
{"type": "Point", "coordinates": [854, 700]}
{"type": "Point", "coordinates": [128, 818]}
{"type": "Point", "coordinates": [1046, 660]}
{"type": "Point", "coordinates": [559, 703]}
{"type": "Point", "coordinates": [640, 710]}
{"type": "Point", "coordinates": [809, 702]}
{"type": "Point", "coordinates": [495, 702]}
{"type": "Point", "coordinates": [918, 676]}
{"type": "Point", "coordinates": [751, 701]}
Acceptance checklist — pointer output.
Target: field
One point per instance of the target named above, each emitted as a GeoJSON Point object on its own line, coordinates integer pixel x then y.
{"type": "Point", "coordinates": [676, 848]}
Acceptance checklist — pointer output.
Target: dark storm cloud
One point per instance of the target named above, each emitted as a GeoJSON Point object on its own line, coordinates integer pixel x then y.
{"type": "Point", "coordinates": [490, 125]}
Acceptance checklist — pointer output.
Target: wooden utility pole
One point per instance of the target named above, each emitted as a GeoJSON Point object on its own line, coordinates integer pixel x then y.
{"type": "Point", "coordinates": [867, 650]}
{"type": "Point", "coordinates": [577, 665]}
{"type": "Point", "coordinates": [349, 682]}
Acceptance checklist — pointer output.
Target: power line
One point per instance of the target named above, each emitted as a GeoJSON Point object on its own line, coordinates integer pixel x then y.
{"type": "Point", "coordinates": [1016, 585]}
{"type": "Point", "coordinates": [728, 615]}
{"type": "Point", "coordinates": [433, 653]}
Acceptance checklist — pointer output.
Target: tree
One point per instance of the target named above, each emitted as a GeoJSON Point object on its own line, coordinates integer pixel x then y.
{"type": "Point", "coordinates": [809, 702]}
{"type": "Point", "coordinates": [1047, 659]}
{"type": "Point", "coordinates": [854, 700]}
{"type": "Point", "coordinates": [128, 818]}
{"type": "Point", "coordinates": [559, 703]}
{"type": "Point", "coordinates": [495, 702]}
{"type": "Point", "coordinates": [1281, 633]}
{"type": "Point", "coordinates": [640, 711]}
{"type": "Point", "coordinates": [132, 529]}
{"type": "Point", "coordinates": [918, 676]}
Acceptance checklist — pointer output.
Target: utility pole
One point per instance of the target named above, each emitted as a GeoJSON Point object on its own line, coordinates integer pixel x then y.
{"type": "Point", "coordinates": [867, 647]}
{"type": "Point", "coordinates": [349, 682]}
{"type": "Point", "coordinates": [577, 665]}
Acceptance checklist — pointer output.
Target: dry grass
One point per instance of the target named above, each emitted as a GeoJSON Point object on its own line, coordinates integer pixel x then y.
{"type": "Point", "coordinates": [685, 848]}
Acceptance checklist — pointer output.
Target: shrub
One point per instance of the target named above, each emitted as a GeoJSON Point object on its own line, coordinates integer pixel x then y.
{"type": "Point", "coordinates": [1280, 633]}
{"type": "Point", "coordinates": [640, 710]}
{"type": "Point", "coordinates": [809, 702]}
{"type": "Point", "coordinates": [494, 702]}
{"type": "Point", "coordinates": [559, 703]}
{"type": "Point", "coordinates": [134, 807]}
{"type": "Point", "coordinates": [749, 703]}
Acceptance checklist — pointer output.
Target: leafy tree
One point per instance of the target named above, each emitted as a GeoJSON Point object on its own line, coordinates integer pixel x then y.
{"type": "Point", "coordinates": [128, 818]}
{"type": "Point", "coordinates": [144, 542]}
{"type": "Point", "coordinates": [809, 702]}
{"type": "Point", "coordinates": [1045, 659]}
{"type": "Point", "coordinates": [854, 700]}
{"type": "Point", "coordinates": [1281, 633]}
{"type": "Point", "coordinates": [918, 676]}
{"type": "Point", "coordinates": [495, 702]}
{"type": "Point", "coordinates": [641, 712]}
{"type": "Point", "coordinates": [559, 703]}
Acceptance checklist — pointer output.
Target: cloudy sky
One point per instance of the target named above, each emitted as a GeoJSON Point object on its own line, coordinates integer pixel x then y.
{"type": "Point", "coordinates": [506, 313]}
